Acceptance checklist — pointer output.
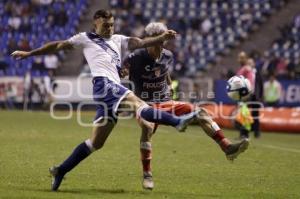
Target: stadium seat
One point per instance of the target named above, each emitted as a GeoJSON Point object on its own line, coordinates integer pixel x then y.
{"type": "Point", "coordinates": [73, 10]}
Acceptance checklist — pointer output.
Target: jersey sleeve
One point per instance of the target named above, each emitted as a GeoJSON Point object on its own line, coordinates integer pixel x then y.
{"type": "Point", "coordinates": [77, 40]}
{"type": "Point", "coordinates": [123, 40]}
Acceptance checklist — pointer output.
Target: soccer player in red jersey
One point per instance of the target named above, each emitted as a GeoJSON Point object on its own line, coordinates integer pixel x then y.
{"type": "Point", "coordinates": [148, 70]}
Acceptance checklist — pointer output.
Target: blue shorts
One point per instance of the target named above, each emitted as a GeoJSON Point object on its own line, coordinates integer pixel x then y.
{"type": "Point", "coordinates": [107, 95]}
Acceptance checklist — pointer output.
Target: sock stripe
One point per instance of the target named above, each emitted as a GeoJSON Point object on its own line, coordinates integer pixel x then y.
{"type": "Point", "coordinates": [140, 109]}
{"type": "Point", "coordinates": [89, 144]}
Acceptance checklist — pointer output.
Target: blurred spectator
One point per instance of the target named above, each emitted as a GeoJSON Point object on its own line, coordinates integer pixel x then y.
{"type": "Point", "coordinates": [49, 21]}
{"type": "Point", "coordinates": [297, 21]}
{"type": "Point", "coordinates": [206, 26]}
{"type": "Point", "coordinates": [38, 64]}
{"type": "Point", "coordinates": [51, 62]}
{"type": "Point", "coordinates": [248, 71]}
{"type": "Point", "coordinates": [25, 25]}
{"type": "Point", "coordinates": [270, 64]}
{"type": "Point", "coordinates": [12, 46]}
{"type": "Point", "coordinates": [3, 64]}
{"type": "Point", "coordinates": [27, 88]}
{"type": "Point", "coordinates": [291, 68]}
{"type": "Point", "coordinates": [247, 19]}
{"type": "Point", "coordinates": [281, 68]}
{"type": "Point", "coordinates": [179, 68]}
{"type": "Point", "coordinates": [226, 17]}
{"type": "Point", "coordinates": [30, 89]}
{"type": "Point", "coordinates": [14, 22]}
{"type": "Point", "coordinates": [10, 95]}
{"type": "Point", "coordinates": [272, 91]}
{"type": "Point", "coordinates": [42, 2]}
{"type": "Point", "coordinates": [243, 120]}
{"type": "Point", "coordinates": [61, 17]}
{"type": "Point", "coordinates": [48, 90]}
{"type": "Point", "coordinates": [24, 45]}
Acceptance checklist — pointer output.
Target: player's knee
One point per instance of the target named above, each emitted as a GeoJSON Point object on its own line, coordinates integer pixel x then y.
{"type": "Point", "coordinates": [95, 144]}
{"type": "Point", "coordinates": [203, 116]}
{"type": "Point", "coordinates": [134, 101]}
{"type": "Point", "coordinates": [90, 145]}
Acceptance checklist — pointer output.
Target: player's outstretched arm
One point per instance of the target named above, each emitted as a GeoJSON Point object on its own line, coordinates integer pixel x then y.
{"type": "Point", "coordinates": [48, 48]}
{"type": "Point", "coordinates": [135, 42]}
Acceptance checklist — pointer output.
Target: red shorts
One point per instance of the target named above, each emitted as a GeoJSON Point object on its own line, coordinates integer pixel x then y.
{"type": "Point", "coordinates": [174, 107]}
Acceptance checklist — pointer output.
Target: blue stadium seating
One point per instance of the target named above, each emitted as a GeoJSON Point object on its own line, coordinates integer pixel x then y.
{"type": "Point", "coordinates": [39, 33]}
{"type": "Point", "coordinates": [228, 19]}
{"type": "Point", "coordinates": [288, 45]}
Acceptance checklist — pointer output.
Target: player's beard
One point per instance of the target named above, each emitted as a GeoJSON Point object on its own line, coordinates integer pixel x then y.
{"type": "Point", "coordinates": [107, 35]}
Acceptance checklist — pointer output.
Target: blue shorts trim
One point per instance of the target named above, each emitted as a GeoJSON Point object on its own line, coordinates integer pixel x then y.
{"type": "Point", "coordinates": [109, 95]}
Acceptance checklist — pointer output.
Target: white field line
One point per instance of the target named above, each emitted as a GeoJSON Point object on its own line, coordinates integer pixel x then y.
{"type": "Point", "coordinates": [200, 135]}
{"type": "Point", "coordinates": [279, 148]}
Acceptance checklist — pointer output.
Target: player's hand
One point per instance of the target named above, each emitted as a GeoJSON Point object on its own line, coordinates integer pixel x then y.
{"type": "Point", "coordinates": [123, 72]}
{"type": "Point", "coordinates": [169, 34]}
{"type": "Point", "coordinates": [20, 54]}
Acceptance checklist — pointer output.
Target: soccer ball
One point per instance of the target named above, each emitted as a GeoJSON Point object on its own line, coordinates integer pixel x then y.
{"type": "Point", "coordinates": [238, 88]}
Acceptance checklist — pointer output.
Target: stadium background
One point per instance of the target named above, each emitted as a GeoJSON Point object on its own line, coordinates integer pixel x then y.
{"type": "Point", "coordinates": [211, 35]}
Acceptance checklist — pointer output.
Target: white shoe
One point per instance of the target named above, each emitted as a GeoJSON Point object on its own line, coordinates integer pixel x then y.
{"type": "Point", "coordinates": [148, 181]}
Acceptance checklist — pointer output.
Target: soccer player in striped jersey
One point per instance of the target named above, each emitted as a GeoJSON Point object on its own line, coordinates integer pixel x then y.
{"type": "Point", "coordinates": [102, 50]}
{"type": "Point", "coordinates": [148, 70]}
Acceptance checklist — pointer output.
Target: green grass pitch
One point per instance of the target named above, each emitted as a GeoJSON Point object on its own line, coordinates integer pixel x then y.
{"type": "Point", "coordinates": [185, 165]}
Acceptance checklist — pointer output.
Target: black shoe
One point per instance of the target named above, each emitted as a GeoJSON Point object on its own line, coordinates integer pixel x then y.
{"type": "Point", "coordinates": [233, 150]}
{"type": "Point", "coordinates": [56, 178]}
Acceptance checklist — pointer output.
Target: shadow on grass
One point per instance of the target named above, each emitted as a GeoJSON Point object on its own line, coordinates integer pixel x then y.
{"type": "Point", "coordinates": [81, 191]}
{"type": "Point", "coordinates": [97, 191]}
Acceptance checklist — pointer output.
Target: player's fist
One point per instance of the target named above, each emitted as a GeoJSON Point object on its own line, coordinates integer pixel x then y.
{"type": "Point", "coordinates": [169, 34]}
{"type": "Point", "coordinates": [20, 54]}
{"type": "Point", "coordinates": [124, 72]}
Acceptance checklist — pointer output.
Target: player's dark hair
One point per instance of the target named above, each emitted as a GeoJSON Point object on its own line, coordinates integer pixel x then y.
{"type": "Point", "coordinates": [106, 14]}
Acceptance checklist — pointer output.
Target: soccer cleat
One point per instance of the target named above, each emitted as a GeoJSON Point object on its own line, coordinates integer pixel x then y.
{"type": "Point", "coordinates": [186, 119]}
{"type": "Point", "coordinates": [148, 181]}
{"type": "Point", "coordinates": [233, 150]}
{"type": "Point", "coordinates": [56, 178]}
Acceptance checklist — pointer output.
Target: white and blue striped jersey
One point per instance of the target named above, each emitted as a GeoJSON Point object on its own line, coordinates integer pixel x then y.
{"type": "Point", "coordinates": [103, 55]}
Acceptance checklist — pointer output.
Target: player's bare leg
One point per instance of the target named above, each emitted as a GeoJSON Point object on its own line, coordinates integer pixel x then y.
{"type": "Point", "coordinates": [99, 135]}
{"type": "Point", "coordinates": [146, 153]}
{"type": "Point", "coordinates": [211, 128]}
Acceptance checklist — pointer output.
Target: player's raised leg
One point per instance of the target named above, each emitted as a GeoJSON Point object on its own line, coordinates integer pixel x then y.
{"type": "Point", "coordinates": [81, 152]}
{"type": "Point", "coordinates": [150, 114]}
{"type": "Point", "coordinates": [212, 129]}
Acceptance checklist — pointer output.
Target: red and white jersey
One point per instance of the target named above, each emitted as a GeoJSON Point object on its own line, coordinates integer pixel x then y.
{"type": "Point", "coordinates": [102, 55]}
